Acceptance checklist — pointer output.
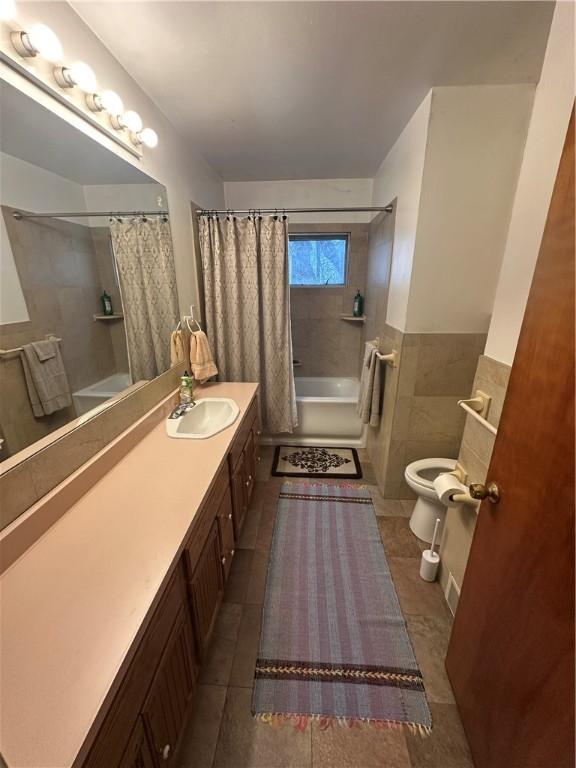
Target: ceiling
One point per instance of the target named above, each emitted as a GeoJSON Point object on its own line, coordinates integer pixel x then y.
{"type": "Point", "coordinates": [33, 133]}
{"type": "Point", "coordinates": [292, 90]}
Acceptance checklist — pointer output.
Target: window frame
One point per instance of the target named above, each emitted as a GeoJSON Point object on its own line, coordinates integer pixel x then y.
{"type": "Point", "coordinates": [322, 236]}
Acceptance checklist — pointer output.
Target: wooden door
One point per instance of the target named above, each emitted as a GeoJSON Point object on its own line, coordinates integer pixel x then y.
{"type": "Point", "coordinates": [207, 589]}
{"type": "Point", "coordinates": [138, 753]}
{"type": "Point", "coordinates": [226, 531]}
{"type": "Point", "coordinates": [511, 654]}
{"type": "Point", "coordinates": [167, 704]}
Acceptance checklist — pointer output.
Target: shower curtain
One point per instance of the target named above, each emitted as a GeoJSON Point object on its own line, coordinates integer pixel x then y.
{"type": "Point", "coordinates": [247, 301]}
{"type": "Point", "coordinates": [143, 252]}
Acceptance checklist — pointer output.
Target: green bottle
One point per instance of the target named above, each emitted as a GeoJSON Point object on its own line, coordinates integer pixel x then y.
{"type": "Point", "coordinates": [106, 304]}
{"type": "Point", "coordinates": [358, 309]}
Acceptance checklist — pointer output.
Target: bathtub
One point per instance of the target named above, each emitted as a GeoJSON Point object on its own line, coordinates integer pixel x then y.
{"type": "Point", "coordinates": [96, 394]}
{"type": "Point", "coordinates": [326, 413]}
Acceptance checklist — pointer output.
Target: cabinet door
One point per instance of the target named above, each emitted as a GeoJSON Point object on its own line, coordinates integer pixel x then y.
{"type": "Point", "coordinates": [206, 589]}
{"type": "Point", "coordinates": [138, 753]}
{"type": "Point", "coordinates": [239, 496]}
{"type": "Point", "coordinates": [249, 468]}
{"type": "Point", "coordinates": [226, 531]}
{"type": "Point", "coordinates": [165, 709]}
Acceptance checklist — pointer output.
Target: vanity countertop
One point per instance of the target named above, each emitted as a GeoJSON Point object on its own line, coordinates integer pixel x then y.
{"type": "Point", "coordinates": [73, 604]}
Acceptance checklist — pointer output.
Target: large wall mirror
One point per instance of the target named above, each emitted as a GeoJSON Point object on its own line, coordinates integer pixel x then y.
{"type": "Point", "coordinates": [87, 302]}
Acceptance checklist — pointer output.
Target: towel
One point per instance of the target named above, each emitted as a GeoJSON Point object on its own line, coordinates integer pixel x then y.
{"type": "Point", "coordinates": [178, 348]}
{"type": "Point", "coordinates": [369, 398]}
{"type": "Point", "coordinates": [203, 366]}
{"type": "Point", "coordinates": [46, 378]}
{"type": "Point", "coordinates": [45, 350]}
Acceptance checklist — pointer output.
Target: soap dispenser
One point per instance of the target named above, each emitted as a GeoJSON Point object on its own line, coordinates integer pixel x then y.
{"type": "Point", "coordinates": [186, 389]}
{"type": "Point", "coordinates": [358, 307]}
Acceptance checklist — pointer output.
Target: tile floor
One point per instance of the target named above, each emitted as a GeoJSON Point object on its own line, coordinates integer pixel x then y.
{"type": "Point", "coordinates": [222, 732]}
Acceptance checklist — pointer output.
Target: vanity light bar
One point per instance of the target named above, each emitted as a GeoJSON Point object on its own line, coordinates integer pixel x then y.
{"type": "Point", "coordinates": [40, 40]}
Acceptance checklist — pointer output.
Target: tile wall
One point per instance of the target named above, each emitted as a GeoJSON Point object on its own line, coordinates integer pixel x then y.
{"type": "Point", "coordinates": [474, 454]}
{"type": "Point", "coordinates": [420, 415]}
{"type": "Point", "coordinates": [63, 268]}
{"type": "Point", "coordinates": [325, 344]}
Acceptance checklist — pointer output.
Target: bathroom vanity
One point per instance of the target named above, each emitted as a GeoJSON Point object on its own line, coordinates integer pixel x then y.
{"type": "Point", "coordinates": [109, 615]}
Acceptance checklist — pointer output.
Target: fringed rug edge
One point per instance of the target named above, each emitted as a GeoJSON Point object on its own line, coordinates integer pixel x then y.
{"type": "Point", "coordinates": [301, 722]}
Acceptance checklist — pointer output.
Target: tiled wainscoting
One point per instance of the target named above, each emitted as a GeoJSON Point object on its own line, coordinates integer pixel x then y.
{"type": "Point", "coordinates": [474, 454]}
{"type": "Point", "coordinates": [325, 344]}
{"type": "Point", "coordinates": [420, 415]}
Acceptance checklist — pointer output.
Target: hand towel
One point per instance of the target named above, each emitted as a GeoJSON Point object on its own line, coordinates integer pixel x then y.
{"type": "Point", "coordinates": [46, 379]}
{"type": "Point", "coordinates": [203, 367]}
{"type": "Point", "coordinates": [177, 348]}
{"type": "Point", "coordinates": [45, 350]}
{"type": "Point", "coordinates": [369, 396]}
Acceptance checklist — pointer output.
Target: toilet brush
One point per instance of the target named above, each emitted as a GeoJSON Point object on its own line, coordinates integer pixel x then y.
{"type": "Point", "coordinates": [430, 559]}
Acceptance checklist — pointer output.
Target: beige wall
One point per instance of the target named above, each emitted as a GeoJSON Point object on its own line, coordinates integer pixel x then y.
{"type": "Point", "coordinates": [325, 344]}
{"type": "Point", "coordinates": [552, 106]}
{"type": "Point", "coordinates": [474, 455]}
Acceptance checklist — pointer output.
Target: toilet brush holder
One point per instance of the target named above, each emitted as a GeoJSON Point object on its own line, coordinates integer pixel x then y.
{"type": "Point", "coordinates": [429, 565]}
{"type": "Point", "coordinates": [430, 559]}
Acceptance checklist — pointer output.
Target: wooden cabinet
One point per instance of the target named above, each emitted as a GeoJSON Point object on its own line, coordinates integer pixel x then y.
{"type": "Point", "coordinates": [225, 519]}
{"type": "Point", "coordinates": [206, 590]}
{"type": "Point", "coordinates": [143, 724]}
{"type": "Point", "coordinates": [138, 753]}
{"type": "Point", "coordinates": [167, 704]}
{"type": "Point", "coordinates": [110, 747]}
{"type": "Point", "coordinates": [239, 497]}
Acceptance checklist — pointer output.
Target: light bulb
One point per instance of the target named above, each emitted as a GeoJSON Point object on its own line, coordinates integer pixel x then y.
{"type": "Point", "coordinates": [83, 76]}
{"type": "Point", "coordinates": [149, 137]}
{"type": "Point", "coordinates": [132, 121]}
{"type": "Point", "coordinates": [7, 10]}
{"type": "Point", "coordinates": [112, 103]}
{"type": "Point", "coordinates": [45, 42]}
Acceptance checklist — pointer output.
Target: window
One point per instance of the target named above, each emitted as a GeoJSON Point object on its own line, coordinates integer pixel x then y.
{"type": "Point", "coordinates": [318, 259]}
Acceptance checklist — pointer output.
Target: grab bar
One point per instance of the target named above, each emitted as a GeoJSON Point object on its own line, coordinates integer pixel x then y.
{"type": "Point", "coordinates": [478, 407]}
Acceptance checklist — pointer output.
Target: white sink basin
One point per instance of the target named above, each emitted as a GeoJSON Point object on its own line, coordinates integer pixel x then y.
{"type": "Point", "coordinates": [206, 418]}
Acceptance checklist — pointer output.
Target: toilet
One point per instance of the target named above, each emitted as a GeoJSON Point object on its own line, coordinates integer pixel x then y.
{"type": "Point", "coordinates": [420, 476]}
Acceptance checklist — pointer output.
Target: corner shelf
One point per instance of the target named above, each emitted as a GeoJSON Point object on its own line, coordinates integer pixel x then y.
{"type": "Point", "coordinates": [353, 318]}
{"type": "Point", "coordinates": [108, 318]}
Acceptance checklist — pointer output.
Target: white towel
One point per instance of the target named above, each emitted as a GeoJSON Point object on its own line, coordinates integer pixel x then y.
{"type": "Point", "coordinates": [46, 378]}
{"type": "Point", "coordinates": [369, 397]}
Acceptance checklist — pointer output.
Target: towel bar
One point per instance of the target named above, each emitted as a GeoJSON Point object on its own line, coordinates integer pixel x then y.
{"type": "Point", "coordinates": [390, 358]}
{"type": "Point", "coordinates": [478, 407]}
{"type": "Point", "coordinates": [20, 349]}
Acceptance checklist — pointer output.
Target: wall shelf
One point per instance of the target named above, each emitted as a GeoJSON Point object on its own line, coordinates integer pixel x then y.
{"type": "Point", "coordinates": [353, 319]}
{"type": "Point", "coordinates": [108, 318]}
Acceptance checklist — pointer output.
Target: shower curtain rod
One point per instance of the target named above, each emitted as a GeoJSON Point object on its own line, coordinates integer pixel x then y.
{"type": "Point", "coordinates": [208, 212]}
{"type": "Point", "coordinates": [84, 214]}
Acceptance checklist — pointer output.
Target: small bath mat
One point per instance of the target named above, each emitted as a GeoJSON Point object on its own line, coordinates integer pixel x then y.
{"type": "Point", "coordinates": [304, 461]}
{"type": "Point", "coordinates": [334, 644]}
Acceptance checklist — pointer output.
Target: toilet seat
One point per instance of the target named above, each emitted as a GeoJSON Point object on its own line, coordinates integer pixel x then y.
{"type": "Point", "coordinates": [415, 471]}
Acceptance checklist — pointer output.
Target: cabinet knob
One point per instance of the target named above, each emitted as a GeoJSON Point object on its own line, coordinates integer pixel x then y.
{"type": "Point", "coordinates": [224, 560]}
{"type": "Point", "coordinates": [232, 551]}
{"type": "Point", "coordinates": [247, 483]}
{"type": "Point", "coordinates": [259, 458]}
{"type": "Point", "coordinates": [166, 752]}
{"type": "Point", "coordinates": [230, 516]}
{"type": "Point", "coordinates": [258, 432]}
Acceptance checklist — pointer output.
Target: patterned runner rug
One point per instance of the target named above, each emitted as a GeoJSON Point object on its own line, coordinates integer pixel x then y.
{"type": "Point", "coordinates": [334, 642]}
{"type": "Point", "coordinates": [305, 461]}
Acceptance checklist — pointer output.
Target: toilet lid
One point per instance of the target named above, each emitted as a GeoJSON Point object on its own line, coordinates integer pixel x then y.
{"type": "Point", "coordinates": [425, 471]}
